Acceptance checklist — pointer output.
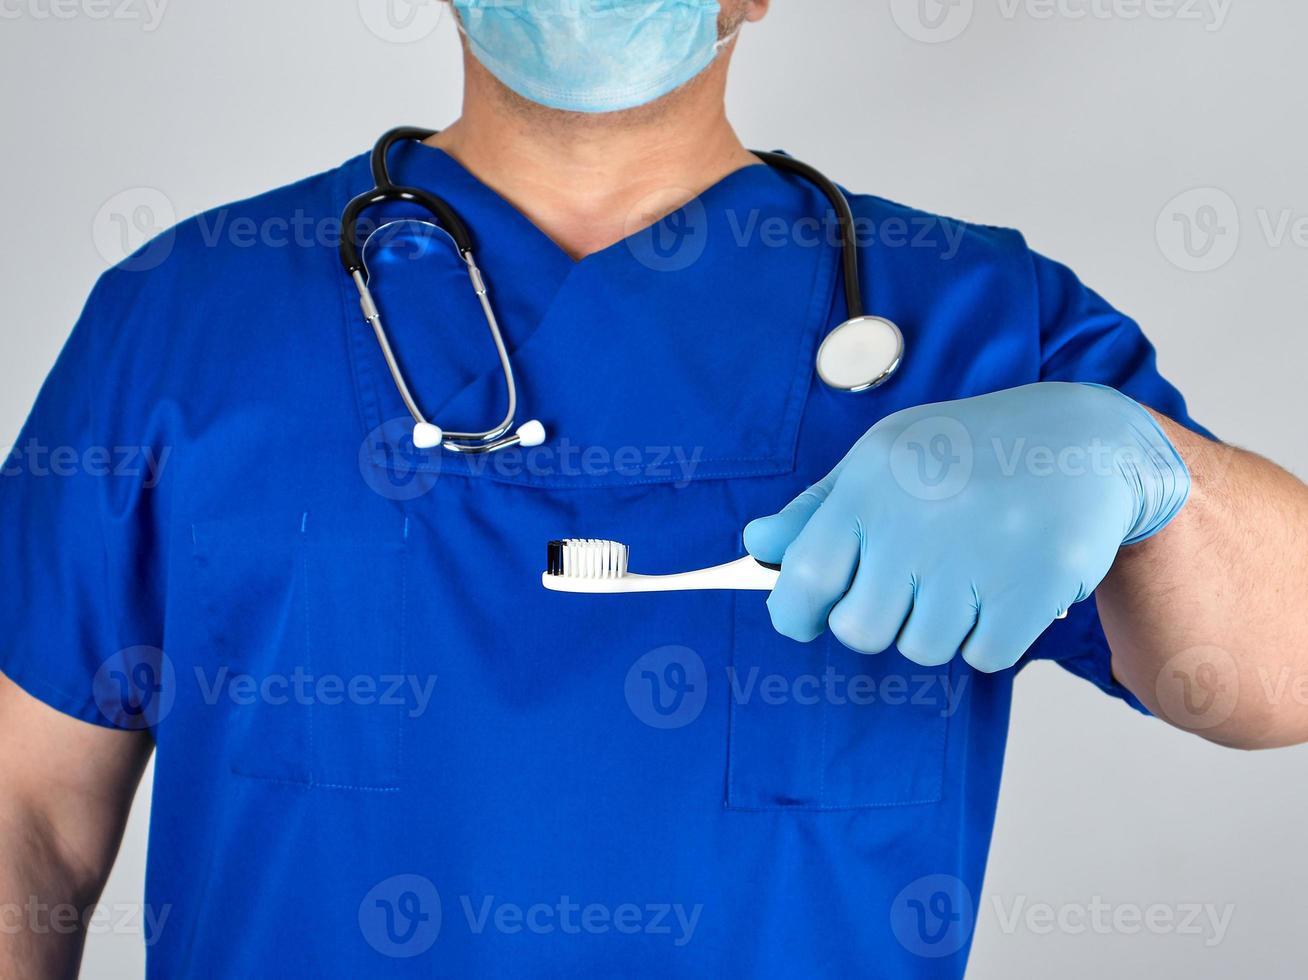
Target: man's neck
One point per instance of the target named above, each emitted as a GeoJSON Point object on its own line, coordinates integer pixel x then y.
{"type": "Point", "coordinates": [590, 181]}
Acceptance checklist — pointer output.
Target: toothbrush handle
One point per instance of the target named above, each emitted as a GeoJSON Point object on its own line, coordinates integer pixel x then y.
{"type": "Point", "coordinates": [744, 575]}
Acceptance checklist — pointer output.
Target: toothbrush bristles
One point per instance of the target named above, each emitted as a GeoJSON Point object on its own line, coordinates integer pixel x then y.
{"type": "Point", "coordinates": [588, 558]}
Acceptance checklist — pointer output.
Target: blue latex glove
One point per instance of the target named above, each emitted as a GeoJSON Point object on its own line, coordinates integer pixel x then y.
{"type": "Point", "coordinates": [971, 525]}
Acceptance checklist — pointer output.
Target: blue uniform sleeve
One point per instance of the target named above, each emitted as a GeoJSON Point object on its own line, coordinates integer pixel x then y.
{"type": "Point", "coordinates": [1085, 339]}
{"type": "Point", "coordinates": [77, 574]}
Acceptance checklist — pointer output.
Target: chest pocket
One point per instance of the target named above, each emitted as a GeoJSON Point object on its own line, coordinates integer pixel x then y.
{"type": "Point", "coordinates": [818, 727]}
{"type": "Point", "coordinates": [305, 650]}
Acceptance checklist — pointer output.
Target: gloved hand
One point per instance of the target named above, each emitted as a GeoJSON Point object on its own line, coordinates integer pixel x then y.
{"type": "Point", "coordinates": [971, 524]}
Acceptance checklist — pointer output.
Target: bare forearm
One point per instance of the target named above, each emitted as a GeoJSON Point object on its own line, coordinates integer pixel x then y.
{"type": "Point", "coordinates": [42, 899]}
{"type": "Point", "coordinates": [1206, 620]}
{"type": "Point", "coordinates": [65, 791]}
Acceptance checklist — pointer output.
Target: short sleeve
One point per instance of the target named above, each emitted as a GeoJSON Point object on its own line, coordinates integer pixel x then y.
{"type": "Point", "coordinates": [78, 590]}
{"type": "Point", "coordinates": [1084, 339]}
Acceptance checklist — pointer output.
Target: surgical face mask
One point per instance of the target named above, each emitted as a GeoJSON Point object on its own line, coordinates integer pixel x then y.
{"type": "Point", "coordinates": [592, 55]}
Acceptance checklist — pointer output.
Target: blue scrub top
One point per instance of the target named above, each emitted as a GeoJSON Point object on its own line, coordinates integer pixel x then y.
{"type": "Point", "coordinates": [382, 748]}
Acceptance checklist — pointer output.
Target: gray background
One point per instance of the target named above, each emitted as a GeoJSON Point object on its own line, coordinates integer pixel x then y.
{"type": "Point", "coordinates": [1081, 131]}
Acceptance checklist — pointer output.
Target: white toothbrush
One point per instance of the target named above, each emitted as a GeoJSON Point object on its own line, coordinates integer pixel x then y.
{"type": "Point", "coordinates": [593, 567]}
{"type": "Point", "coordinates": [590, 566]}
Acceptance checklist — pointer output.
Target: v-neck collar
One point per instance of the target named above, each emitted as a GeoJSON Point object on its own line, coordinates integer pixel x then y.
{"type": "Point", "coordinates": [434, 168]}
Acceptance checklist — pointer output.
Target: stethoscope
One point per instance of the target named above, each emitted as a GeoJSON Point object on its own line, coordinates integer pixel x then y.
{"type": "Point", "coordinates": [862, 353]}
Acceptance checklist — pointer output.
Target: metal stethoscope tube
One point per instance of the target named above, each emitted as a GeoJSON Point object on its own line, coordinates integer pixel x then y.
{"type": "Point", "coordinates": [877, 340]}
{"type": "Point", "coordinates": [427, 435]}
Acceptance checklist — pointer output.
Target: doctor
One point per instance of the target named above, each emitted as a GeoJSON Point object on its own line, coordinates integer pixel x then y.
{"type": "Point", "coordinates": [383, 750]}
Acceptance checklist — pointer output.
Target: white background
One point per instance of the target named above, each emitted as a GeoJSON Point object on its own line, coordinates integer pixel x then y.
{"type": "Point", "coordinates": [1079, 130]}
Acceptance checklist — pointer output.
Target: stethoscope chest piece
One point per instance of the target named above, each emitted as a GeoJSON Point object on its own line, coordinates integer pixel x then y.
{"type": "Point", "coordinates": [860, 354]}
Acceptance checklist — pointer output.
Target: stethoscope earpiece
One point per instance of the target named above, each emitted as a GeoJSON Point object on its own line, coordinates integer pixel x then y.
{"type": "Point", "coordinates": [427, 436]}
{"type": "Point", "coordinates": [531, 434]}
